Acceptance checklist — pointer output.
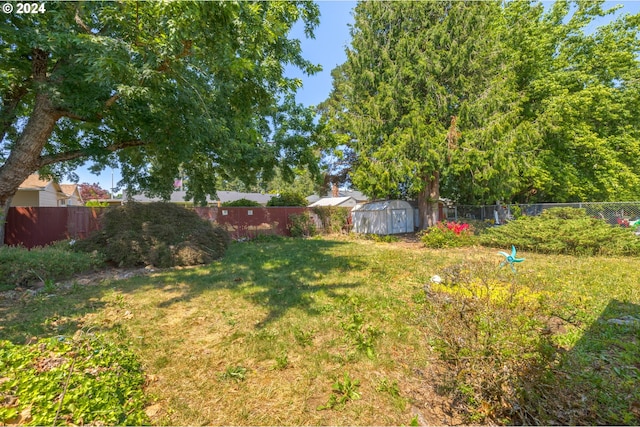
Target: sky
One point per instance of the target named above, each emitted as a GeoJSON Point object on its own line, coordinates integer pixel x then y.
{"type": "Point", "coordinates": [332, 37]}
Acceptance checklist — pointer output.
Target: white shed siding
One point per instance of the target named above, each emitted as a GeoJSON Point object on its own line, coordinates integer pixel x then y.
{"type": "Point", "coordinates": [387, 217]}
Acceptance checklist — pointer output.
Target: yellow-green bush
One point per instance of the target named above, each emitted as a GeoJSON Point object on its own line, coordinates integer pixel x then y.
{"type": "Point", "coordinates": [564, 231]}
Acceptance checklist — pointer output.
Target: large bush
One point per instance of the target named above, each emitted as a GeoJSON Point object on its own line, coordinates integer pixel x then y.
{"type": "Point", "coordinates": [159, 234]}
{"type": "Point", "coordinates": [302, 225]}
{"type": "Point", "coordinates": [564, 231]}
{"type": "Point", "coordinates": [333, 218]}
{"type": "Point", "coordinates": [287, 198]}
{"type": "Point", "coordinates": [242, 203]}
{"type": "Point", "coordinates": [20, 266]}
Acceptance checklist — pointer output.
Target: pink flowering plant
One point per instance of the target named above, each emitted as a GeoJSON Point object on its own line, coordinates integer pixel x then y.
{"type": "Point", "coordinates": [448, 234]}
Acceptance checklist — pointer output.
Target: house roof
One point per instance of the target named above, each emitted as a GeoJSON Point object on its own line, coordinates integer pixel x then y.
{"type": "Point", "coordinates": [223, 196]}
{"type": "Point", "coordinates": [34, 182]}
{"type": "Point", "coordinates": [69, 189]}
{"type": "Point", "coordinates": [230, 196]}
{"type": "Point", "coordinates": [357, 195]}
{"type": "Point", "coordinates": [331, 201]}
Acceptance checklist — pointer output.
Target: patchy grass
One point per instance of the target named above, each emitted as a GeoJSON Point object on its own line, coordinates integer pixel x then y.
{"type": "Point", "coordinates": [281, 328]}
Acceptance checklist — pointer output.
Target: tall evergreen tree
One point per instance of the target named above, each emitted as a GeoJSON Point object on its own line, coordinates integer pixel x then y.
{"type": "Point", "coordinates": [426, 95]}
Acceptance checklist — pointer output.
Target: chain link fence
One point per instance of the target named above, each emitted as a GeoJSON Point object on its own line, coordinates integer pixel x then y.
{"type": "Point", "coordinates": [624, 214]}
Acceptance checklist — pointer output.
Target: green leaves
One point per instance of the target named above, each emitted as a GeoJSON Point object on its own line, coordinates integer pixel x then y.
{"type": "Point", "coordinates": [195, 85]}
{"type": "Point", "coordinates": [71, 381]}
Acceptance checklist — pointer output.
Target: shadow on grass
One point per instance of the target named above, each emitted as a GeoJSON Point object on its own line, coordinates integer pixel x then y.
{"type": "Point", "coordinates": [597, 380]}
{"type": "Point", "coordinates": [280, 275]}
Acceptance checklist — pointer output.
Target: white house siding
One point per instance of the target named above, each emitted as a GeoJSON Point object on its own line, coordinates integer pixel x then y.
{"type": "Point", "coordinates": [26, 198]}
{"type": "Point", "coordinates": [49, 197]}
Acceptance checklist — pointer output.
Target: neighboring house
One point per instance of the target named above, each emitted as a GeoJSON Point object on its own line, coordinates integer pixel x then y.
{"type": "Point", "coordinates": [223, 196]}
{"type": "Point", "coordinates": [356, 195]}
{"type": "Point", "coordinates": [343, 202]}
{"type": "Point", "coordinates": [38, 192]}
{"type": "Point", "coordinates": [73, 195]}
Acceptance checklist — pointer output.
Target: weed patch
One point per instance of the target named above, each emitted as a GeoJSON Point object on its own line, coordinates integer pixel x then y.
{"type": "Point", "coordinates": [486, 328]}
{"type": "Point", "coordinates": [343, 392]}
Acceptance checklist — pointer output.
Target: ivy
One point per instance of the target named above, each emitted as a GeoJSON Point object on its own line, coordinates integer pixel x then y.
{"type": "Point", "coordinates": [79, 380]}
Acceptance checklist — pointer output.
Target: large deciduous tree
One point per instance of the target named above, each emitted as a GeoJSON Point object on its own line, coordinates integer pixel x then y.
{"type": "Point", "coordinates": [426, 92]}
{"type": "Point", "coordinates": [580, 93]}
{"type": "Point", "coordinates": [154, 88]}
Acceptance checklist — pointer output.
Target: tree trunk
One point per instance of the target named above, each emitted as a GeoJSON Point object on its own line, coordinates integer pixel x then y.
{"type": "Point", "coordinates": [4, 211]}
{"type": "Point", "coordinates": [25, 154]}
{"type": "Point", "coordinates": [428, 201]}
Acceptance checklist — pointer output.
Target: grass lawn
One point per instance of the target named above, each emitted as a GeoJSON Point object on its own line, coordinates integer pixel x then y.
{"type": "Point", "coordinates": [344, 331]}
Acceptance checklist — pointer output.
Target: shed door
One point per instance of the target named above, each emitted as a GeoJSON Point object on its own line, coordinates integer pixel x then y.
{"type": "Point", "coordinates": [399, 221]}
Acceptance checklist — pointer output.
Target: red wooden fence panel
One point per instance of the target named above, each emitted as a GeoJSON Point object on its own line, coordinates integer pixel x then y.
{"type": "Point", "coordinates": [250, 222]}
{"type": "Point", "coordinates": [35, 226]}
{"type": "Point", "coordinates": [42, 226]}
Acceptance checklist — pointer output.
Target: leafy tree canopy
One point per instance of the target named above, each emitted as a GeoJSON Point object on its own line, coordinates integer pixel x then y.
{"type": "Point", "coordinates": [92, 191]}
{"type": "Point", "coordinates": [288, 198]}
{"type": "Point", "coordinates": [154, 88]}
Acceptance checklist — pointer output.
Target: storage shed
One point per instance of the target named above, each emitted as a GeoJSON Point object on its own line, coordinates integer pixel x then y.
{"type": "Point", "coordinates": [385, 217]}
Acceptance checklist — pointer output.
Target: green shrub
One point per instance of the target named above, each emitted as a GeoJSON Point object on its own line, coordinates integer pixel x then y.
{"type": "Point", "coordinates": [564, 231]}
{"type": "Point", "coordinates": [80, 381]}
{"type": "Point", "coordinates": [20, 267]}
{"type": "Point", "coordinates": [302, 225]}
{"type": "Point", "coordinates": [497, 351]}
{"type": "Point", "coordinates": [447, 235]}
{"type": "Point", "coordinates": [287, 198]}
{"type": "Point", "coordinates": [96, 204]}
{"type": "Point", "coordinates": [242, 203]}
{"type": "Point", "coordinates": [159, 234]}
{"type": "Point", "coordinates": [333, 218]}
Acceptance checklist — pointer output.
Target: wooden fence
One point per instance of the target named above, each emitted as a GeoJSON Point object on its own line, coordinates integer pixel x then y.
{"type": "Point", "coordinates": [31, 226]}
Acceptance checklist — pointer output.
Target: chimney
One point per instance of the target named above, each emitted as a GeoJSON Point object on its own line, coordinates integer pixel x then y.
{"type": "Point", "coordinates": [334, 190]}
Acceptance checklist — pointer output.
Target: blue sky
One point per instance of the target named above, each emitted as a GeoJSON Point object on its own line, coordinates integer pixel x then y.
{"type": "Point", "coordinates": [328, 50]}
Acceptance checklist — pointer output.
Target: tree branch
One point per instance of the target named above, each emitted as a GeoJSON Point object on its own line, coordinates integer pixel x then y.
{"type": "Point", "coordinates": [76, 154]}
{"type": "Point", "coordinates": [80, 22]}
{"type": "Point", "coordinates": [9, 105]}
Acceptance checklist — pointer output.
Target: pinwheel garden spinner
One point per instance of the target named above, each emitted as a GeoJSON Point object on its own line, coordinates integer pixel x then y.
{"type": "Point", "coordinates": [510, 259]}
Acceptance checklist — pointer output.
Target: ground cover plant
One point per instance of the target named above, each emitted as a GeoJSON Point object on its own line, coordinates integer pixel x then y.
{"type": "Point", "coordinates": [358, 332]}
{"type": "Point", "coordinates": [158, 234]}
{"type": "Point", "coordinates": [73, 381]}
{"type": "Point", "coordinates": [24, 267]}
